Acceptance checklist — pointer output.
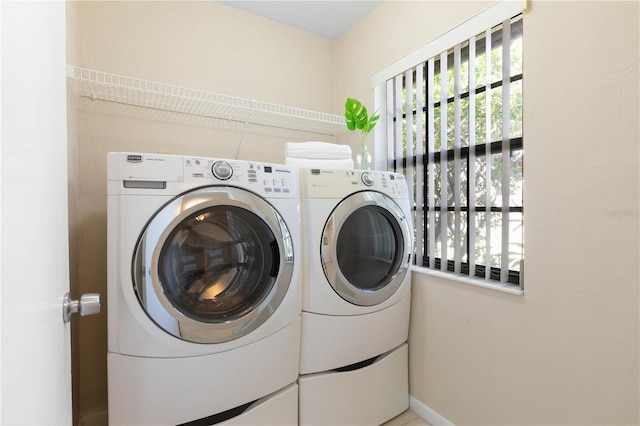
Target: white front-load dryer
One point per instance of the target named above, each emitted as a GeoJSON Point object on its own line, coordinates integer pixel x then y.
{"type": "Point", "coordinates": [356, 296]}
{"type": "Point", "coordinates": [357, 257]}
{"type": "Point", "coordinates": [204, 291]}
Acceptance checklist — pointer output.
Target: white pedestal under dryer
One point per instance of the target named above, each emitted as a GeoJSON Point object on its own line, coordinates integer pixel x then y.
{"type": "Point", "coordinates": [204, 291]}
{"type": "Point", "coordinates": [356, 296]}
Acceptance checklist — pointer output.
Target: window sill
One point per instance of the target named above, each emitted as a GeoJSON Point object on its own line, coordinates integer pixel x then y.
{"type": "Point", "coordinates": [505, 288]}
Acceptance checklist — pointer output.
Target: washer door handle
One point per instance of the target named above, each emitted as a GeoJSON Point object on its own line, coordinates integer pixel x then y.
{"type": "Point", "coordinates": [88, 304]}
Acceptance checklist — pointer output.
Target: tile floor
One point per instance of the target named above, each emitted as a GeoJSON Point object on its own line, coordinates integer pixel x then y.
{"type": "Point", "coordinates": [408, 418]}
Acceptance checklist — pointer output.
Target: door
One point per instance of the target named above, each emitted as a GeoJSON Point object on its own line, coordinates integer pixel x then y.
{"type": "Point", "coordinates": [366, 248]}
{"type": "Point", "coordinates": [36, 368]}
{"type": "Point", "coordinates": [213, 264]}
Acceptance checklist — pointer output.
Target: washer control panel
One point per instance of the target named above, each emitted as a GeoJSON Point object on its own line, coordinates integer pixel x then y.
{"type": "Point", "coordinates": [158, 174]}
{"type": "Point", "coordinates": [263, 178]}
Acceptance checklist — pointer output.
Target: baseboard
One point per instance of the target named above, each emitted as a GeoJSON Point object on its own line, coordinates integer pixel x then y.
{"type": "Point", "coordinates": [93, 418]}
{"type": "Point", "coordinates": [429, 414]}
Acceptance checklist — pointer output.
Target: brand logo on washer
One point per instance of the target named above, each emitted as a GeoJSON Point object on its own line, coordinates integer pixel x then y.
{"type": "Point", "coordinates": [134, 158]}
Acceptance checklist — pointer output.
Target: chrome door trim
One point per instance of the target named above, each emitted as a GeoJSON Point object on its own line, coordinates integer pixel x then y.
{"type": "Point", "coordinates": [328, 248]}
{"type": "Point", "coordinates": [146, 260]}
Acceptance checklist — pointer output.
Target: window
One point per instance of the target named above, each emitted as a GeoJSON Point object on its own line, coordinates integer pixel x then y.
{"type": "Point", "coordinates": [454, 127]}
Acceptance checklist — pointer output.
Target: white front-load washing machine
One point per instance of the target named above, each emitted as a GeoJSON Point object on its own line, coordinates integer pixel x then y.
{"type": "Point", "coordinates": [204, 290]}
{"type": "Point", "coordinates": [356, 296]}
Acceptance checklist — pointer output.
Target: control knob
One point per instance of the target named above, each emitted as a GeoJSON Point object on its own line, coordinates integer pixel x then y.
{"type": "Point", "coordinates": [222, 170]}
{"type": "Point", "coordinates": [367, 178]}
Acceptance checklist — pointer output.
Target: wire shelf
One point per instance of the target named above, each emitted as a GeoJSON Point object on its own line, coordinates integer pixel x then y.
{"type": "Point", "coordinates": [150, 94]}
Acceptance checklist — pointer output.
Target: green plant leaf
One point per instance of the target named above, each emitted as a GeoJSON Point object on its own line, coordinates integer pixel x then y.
{"type": "Point", "coordinates": [372, 122]}
{"type": "Point", "coordinates": [355, 114]}
{"type": "Point", "coordinates": [357, 117]}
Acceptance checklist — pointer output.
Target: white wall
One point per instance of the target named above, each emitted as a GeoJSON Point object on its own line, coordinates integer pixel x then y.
{"type": "Point", "coordinates": [567, 351]}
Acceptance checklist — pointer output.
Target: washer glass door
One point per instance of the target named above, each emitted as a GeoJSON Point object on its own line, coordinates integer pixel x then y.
{"type": "Point", "coordinates": [366, 248]}
{"type": "Point", "coordinates": [213, 264]}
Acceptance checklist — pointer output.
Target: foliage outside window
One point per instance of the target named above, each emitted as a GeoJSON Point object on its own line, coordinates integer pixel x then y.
{"type": "Point", "coordinates": [456, 131]}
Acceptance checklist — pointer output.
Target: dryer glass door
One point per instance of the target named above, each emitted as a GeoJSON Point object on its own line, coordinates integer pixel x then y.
{"type": "Point", "coordinates": [366, 248]}
{"type": "Point", "coordinates": [213, 265]}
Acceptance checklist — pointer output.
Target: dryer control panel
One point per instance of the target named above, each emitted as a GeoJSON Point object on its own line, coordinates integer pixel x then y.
{"type": "Point", "coordinates": [333, 183]}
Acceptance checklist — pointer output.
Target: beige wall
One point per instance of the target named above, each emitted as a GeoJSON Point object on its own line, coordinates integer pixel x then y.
{"type": "Point", "coordinates": [200, 45]}
{"type": "Point", "coordinates": [567, 351]}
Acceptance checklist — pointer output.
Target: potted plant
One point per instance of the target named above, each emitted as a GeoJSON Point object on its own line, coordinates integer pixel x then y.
{"type": "Point", "coordinates": [357, 118]}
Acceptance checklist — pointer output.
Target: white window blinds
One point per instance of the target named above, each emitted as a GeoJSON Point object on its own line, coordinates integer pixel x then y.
{"type": "Point", "coordinates": [454, 127]}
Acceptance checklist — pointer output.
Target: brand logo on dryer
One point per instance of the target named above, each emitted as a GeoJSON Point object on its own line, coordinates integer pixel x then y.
{"type": "Point", "coordinates": [134, 158]}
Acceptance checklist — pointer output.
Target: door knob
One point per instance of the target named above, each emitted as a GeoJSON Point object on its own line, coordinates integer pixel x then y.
{"type": "Point", "coordinates": [88, 304]}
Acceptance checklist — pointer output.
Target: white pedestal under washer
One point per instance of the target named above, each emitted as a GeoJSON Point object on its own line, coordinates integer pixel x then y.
{"type": "Point", "coordinates": [356, 293]}
{"type": "Point", "coordinates": [204, 286]}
